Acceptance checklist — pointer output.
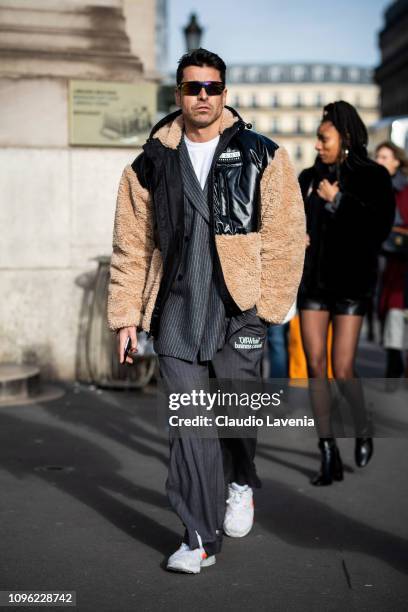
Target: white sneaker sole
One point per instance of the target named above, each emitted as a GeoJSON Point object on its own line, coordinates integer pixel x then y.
{"type": "Point", "coordinates": [179, 567]}
{"type": "Point", "coordinates": [237, 534]}
{"type": "Point", "coordinates": [208, 561]}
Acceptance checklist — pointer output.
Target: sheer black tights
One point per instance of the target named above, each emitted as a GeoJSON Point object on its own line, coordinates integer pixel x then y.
{"type": "Point", "coordinates": [346, 332]}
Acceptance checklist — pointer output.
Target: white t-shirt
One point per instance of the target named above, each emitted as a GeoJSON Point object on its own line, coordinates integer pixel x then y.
{"type": "Point", "coordinates": [201, 155]}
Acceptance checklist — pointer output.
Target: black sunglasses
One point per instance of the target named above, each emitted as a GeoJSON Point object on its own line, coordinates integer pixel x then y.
{"type": "Point", "coordinates": [193, 88]}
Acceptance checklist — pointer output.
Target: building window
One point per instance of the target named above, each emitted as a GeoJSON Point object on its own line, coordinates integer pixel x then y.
{"type": "Point", "coordinates": [357, 100]}
{"type": "Point", "coordinates": [275, 73]}
{"type": "Point", "coordinates": [254, 101]}
{"type": "Point", "coordinates": [335, 73]}
{"type": "Point", "coordinates": [275, 125]}
{"type": "Point", "coordinates": [354, 74]}
{"type": "Point", "coordinates": [318, 73]}
{"type": "Point", "coordinates": [298, 100]}
{"type": "Point", "coordinates": [298, 72]}
{"type": "Point", "coordinates": [299, 125]}
{"type": "Point", "coordinates": [319, 99]}
{"type": "Point", "coordinates": [275, 100]}
{"type": "Point", "coordinates": [252, 73]}
{"type": "Point", "coordinates": [298, 152]}
{"type": "Point", "coordinates": [235, 74]}
{"type": "Point", "coordinates": [237, 101]}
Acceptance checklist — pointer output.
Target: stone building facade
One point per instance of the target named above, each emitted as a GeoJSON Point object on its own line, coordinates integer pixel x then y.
{"type": "Point", "coordinates": [392, 74]}
{"type": "Point", "coordinates": [285, 101]}
{"type": "Point", "coordinates": [57, 200]}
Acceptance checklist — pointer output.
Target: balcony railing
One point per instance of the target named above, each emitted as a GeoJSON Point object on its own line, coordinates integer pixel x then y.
{"type": "Point", "coordinates": [295, 107]}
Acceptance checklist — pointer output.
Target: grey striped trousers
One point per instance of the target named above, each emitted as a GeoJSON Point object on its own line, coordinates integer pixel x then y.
{"type": "Point", "coordinates": [201, 467]}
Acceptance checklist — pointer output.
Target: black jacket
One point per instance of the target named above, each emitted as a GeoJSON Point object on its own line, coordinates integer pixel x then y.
{"type": "Point", "coordinates": [344, 244]}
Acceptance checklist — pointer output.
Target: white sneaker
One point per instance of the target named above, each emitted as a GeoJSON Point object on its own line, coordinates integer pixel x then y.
{"type": "Point", "coordinates": [239, 515]}
{"type": "Point", "coordinates": [190, 561]}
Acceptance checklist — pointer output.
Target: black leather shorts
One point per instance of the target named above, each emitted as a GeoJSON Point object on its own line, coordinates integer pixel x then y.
{"type": "Point", "coordinates": [335, 305]}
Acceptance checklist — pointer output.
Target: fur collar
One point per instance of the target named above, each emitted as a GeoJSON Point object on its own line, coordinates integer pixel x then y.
{"type": "Point", "coordinates": [170, 134]}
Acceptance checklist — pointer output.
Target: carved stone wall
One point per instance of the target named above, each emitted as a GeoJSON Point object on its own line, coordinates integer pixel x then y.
{"type": "Point", "coordinates": [67, 39]}
{"type": "Point", "coordinates": [57, 202]}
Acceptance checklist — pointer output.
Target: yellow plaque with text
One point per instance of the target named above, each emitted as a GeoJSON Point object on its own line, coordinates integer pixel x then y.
{"type": "Point", "coordinates": [109, 114]}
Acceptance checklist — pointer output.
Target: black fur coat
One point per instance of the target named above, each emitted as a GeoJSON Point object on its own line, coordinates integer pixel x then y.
{"type": "Point", "coordinates": [344, 244]}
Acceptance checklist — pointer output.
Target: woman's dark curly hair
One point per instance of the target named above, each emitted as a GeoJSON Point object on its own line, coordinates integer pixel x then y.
{"type": "Point", "coordinates": [353, 132]}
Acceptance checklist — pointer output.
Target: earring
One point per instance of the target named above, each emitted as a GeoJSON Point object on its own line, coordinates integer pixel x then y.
{"type": "Point", "coordinates": [346, 152]}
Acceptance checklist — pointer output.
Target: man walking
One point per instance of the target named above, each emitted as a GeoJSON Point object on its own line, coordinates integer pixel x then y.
{"type": "Point", "coordinates": [208, 247]}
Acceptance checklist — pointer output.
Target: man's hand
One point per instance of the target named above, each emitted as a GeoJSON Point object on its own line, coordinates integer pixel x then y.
{"type": "Point", "coordinates": [122, 336]}
{"type": "Point", "coordinates": [327, 191]}
{"type": "Point", "coordinates": [307, 240]}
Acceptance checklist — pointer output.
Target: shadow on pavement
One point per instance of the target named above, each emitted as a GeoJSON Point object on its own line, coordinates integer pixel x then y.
{"type": "Point", "coordinates": [113, 415]}
{"type": "Point", "coordinates": [304, 522]}
{"type": "Point", "coordinates": [266, 452]}
{"type": "Point", "coordinates": [285, 512]}
{"type": "Point", "coordinates": [91, 473]}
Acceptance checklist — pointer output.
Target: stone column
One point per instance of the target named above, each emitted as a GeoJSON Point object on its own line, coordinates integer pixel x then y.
{"type": "Point", "coordinates": [57, 201]}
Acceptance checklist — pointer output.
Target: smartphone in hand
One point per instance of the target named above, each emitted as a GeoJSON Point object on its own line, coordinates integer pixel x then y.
{"type": "Point", "coordinates": [127, 348]}
{"type": "Point", "coordinates": [128, 351]}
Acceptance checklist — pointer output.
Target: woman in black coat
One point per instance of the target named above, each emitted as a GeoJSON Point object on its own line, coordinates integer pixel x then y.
{"type": "Point", "coordinates": [349, 207]}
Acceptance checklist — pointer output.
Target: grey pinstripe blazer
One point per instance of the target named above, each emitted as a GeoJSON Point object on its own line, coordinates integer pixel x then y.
{"type": "Point", "coordinates": [193, 322]}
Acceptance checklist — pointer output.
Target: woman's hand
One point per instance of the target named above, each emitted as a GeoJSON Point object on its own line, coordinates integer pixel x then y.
{"type": "Point", "coordinates": [307, 240]}
{"type": "Point", "coordinates": [328, 191]}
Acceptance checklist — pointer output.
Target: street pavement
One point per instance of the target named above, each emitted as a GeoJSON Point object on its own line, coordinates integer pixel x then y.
{"type": "Point", "coordinates": [83, 508]}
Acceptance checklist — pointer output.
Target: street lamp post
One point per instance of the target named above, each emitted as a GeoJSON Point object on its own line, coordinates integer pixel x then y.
{"type": "Point", "coordinates": [193, 33]}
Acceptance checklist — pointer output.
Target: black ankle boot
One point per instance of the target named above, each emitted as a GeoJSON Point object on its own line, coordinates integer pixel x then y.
{"type": "Point", "coordinates": [363, 451]}
{"type": "Point", "coordinates": [331, 466]}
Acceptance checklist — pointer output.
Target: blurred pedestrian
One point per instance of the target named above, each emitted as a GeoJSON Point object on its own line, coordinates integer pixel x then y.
{"type": "Point", "coordinates": [393, 294]}
{"type": "Point", "coordinates": [278, 350]}
{"type": "Point", "coordinates": [349, 207]}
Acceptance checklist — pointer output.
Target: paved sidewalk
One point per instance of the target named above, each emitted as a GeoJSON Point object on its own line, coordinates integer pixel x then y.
{"type": "Point", "coordinates": [82, 508]}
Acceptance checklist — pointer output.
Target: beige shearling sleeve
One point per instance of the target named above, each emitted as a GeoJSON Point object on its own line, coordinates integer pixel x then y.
{"type": "Point", "coordinates": [283, 230]}
{"type": "Point", "coordinates": [133, 245]}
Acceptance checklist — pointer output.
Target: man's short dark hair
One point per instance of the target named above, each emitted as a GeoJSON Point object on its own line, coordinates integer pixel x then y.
{"type": "Point", "coordinates": [200, 57]}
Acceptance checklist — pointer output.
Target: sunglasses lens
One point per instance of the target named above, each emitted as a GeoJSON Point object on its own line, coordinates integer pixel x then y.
{"type": "Point", "coordinates": [193, 88]}
{"type": "Point", "coordinates": [190, 88]}
{"type": "Point", "coordinates": [214, 88]}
